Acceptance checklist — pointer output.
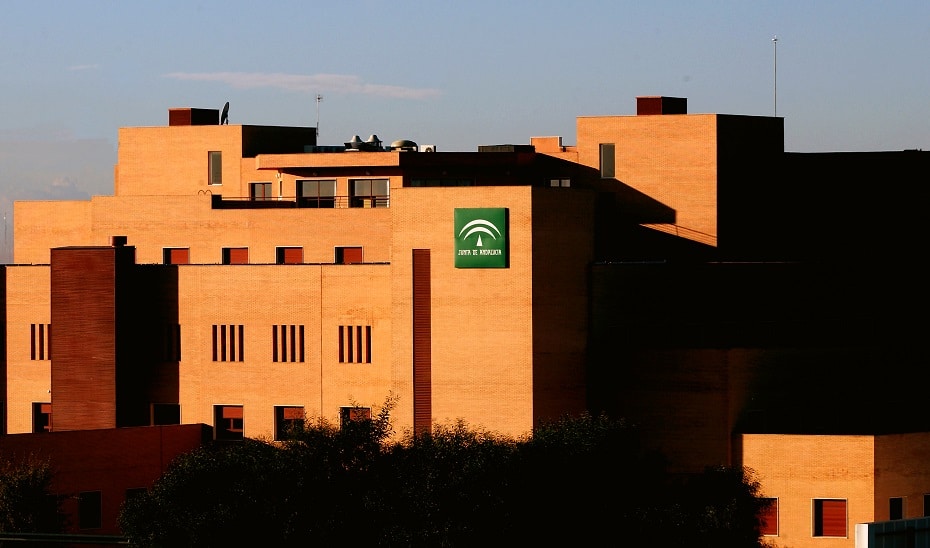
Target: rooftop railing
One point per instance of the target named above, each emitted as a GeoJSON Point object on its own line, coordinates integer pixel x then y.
{"type": "Point", "coordinates": [315, 202]}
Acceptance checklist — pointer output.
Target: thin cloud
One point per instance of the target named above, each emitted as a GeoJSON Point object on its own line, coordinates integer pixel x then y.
{"type": "Point", "coordinates": [339, 83]}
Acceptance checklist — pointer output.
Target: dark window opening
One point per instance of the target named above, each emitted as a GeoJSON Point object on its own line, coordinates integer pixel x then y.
{"type": "Point", "coordinates": [287, 419]}
{"type": "Point", "coordinates": [176, 255]}
{"type": "Point", "coordinates": [228, 422]}
{"type": "Point", "coordinates": [289, 255]}
{"type": "Point", "coordinates": [348, 255]}
{"type": "Point", "coordinates": [41, 417]}
{"type": "Point", "coordinates": [89, 510]}
{"type": "Point", "coordinates": [235, 255]}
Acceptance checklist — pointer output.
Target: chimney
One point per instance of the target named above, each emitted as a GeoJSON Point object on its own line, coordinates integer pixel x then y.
{"type": "Point", "coordinates": [657, 104]}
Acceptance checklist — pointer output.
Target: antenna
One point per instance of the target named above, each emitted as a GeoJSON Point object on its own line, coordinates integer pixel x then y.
{"type": "Point", "coordinates": [775, 74]}
{"type": "Point", "coordinates": [319, 98]}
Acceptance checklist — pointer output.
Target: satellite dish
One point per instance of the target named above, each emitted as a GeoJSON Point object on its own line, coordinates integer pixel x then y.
{"type": "Point", "coordinates": [224, 119]}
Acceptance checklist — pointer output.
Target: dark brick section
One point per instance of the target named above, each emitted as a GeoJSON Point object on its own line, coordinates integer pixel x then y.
{"type": "Point", "coordinates": [110, 461]}
{"type": "Point", "coordinates": [83, 308]}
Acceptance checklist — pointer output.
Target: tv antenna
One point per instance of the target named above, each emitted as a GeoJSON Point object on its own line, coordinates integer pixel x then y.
{"type": "Point", "coordinates": [319, 98]}
{"type": "Point", "coordinates": [775, 74]}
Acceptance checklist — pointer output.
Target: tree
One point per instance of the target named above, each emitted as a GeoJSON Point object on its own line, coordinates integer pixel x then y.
{"type": "Point", "coordinates": [27, 504]}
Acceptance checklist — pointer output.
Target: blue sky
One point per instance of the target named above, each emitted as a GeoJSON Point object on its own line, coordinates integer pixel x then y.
{"type": "Point", "coordinates": [851, 75]}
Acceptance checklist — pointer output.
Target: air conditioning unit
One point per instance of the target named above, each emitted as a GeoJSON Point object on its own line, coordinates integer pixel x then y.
{"type": "Point", "coordinates": [427, 148]}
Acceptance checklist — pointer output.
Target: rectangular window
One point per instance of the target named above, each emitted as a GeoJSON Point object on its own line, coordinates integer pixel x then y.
{"type": "Point", "coordinates": [228, 343]}
{"type": "Point", "coordinates": [354, 344]}
{"type": "Point", "coordinates": [560, 183]}
{"type": "Point", "coordinates": [354, 413]}
{"type": "Point", "coordinates": [235, 255]}
{"type": "Point", "coordinates": [89, 510]}
{"type": "Point", "coordinates": [287, 418]}
{"type": "Point", "coordinates": [228, 423]}
{"type": "Point", "coordinates": [289, 255]}
{"type": "Point", "coordinates": [607, 161]}
{"type": "Point", "coordinates": [348, 255]}
{"type": "Point", "coordinates": [369, 192]}
{"type": "Point", "coordinates": [260, 191]}
{"type": "Point", "coordinates": [171, 343]}
{"type": "Point", "coordinates": [40, 341]}
{"type": "Point", "coordinates": [316, 193]}
{"type": "Point", "coordinates": [215, 161]}
{"type": "Point", "coordinates": [769, 525]}
{"type": "Point", "coordinates": [829, 517]}
{"type": "Point", "coordinates": [896, 508]}
{"type": "Point", "coordinates": [166, 413]}
{"type": "Point", "coordinates": [176, 255]}
{"type": "Point", "coordinates": [927, 505]}
{"type": "Point", "coordinates": [287, 343]}
{"type": "Point", "coordinates": [41, 417]}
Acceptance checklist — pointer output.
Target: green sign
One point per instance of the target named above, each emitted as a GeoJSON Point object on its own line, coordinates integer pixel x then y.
{"type": "Point", "coordinates": [481, 237]}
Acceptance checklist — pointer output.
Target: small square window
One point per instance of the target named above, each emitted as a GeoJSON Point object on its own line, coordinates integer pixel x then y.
{"type": "Point", "coordinates": [228, 422]}
{"type": "Point", "coordinates": [560, 183]}
{"type": "Point", "coordinates": [235, 255]}
{"type": "Point", "coordinates": [289, 255]}
{"type": "Point", "coordinates": [166, 413]}
{"type": "Point", "coordinates": [260, 191]}
{"type": "Point", "coordinates": [287, 419]}
{"type": "Point", "coordinates": [353, 414]}
{"type": "Point", "coordinates": [176, 255]}
{"type": "Point", "coordinates": [829, 517]}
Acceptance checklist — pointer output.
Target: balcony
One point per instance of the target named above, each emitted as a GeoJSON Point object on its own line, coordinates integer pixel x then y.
{"type": "Point", "coordinates": [315, 202]}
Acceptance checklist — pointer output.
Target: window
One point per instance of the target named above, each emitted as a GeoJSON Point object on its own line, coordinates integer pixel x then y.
{"type": "Point", "coordinates": [896, 508]}
{"type": "Point", "coordinates": [171, 343]}
{"type": "Point", "coordinates": [440, 182]}
{"type": "Point", "coordinates": [926, 505]}
{"type": "Point", "coordinates": [607, 161]}
{"type": "Point", "coordinates": [215, 161]}
{"type": "Point", "coordinates": [287, 418]}
{"type": "Point", "coordinates": [228, 422]}
{"type": "Point", "coordinates": [40, 341]}
{"type": "Point", "coordinates": [287, 343]}
{"type": "Point", "coordinates": [321, 193]}
{"type": "Point", "coordinates": [353, 414]}
{"type": "Point", "coordinates": [769, 525]}
{"type": "Point", "coordinates": [289, 255]}
{"type": "Point", "coordinates": [134, 492]}
{"type": "Point", "coordinates": [89, 510]}
{"type": "Point", "coordinates": [562, 183]}
{"type": "Point", "coordinates": [166, 413]}
{"type": "Point", "coordinates": [176, 255]}
{"type": "Point", "coordinates": [348, 255]}
{"type": "Point", "coordinates": [369, 192]}
{"type": "Point", "coordinates": [829, 518]}
{"type": "Point", "coordinates": [260, 191]}
{"type": "Point", "coordinates": [354, 344]}
{"type": "Point", "coordinates": [41, 417]}
{"type": "Point", "coordinates": [228, 345]}
{"type": "Point", "coordinates": [235, 255]}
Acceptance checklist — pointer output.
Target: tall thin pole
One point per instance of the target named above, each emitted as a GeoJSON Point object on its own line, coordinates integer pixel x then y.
{"type": "Point", "coordinates": [318, 99]}
{"type": "Point", "coordinates": [775, 74]}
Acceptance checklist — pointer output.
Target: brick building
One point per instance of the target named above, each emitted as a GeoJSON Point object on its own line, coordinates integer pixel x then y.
{"type": "Point", "coordinates": [678, 269]}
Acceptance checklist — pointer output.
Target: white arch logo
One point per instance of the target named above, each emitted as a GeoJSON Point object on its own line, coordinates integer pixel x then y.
{"type": "Point", "coordinates": [479, 227]}
{"type": "Point", "coordinates": [481, 237]}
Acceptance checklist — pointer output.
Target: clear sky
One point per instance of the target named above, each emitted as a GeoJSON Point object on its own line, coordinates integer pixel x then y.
{"type": "Point", "coordinates": [846, 75]}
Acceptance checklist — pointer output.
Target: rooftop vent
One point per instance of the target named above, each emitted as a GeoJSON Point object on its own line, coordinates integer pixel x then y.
{"type": "Point", "coordinates": [661, 105]}
{"type": "Point", "coordinates": [404, 145]}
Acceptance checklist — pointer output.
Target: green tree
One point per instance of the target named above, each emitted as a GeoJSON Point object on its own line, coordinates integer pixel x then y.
{"type": "Point", "coordinates": [27, 504]}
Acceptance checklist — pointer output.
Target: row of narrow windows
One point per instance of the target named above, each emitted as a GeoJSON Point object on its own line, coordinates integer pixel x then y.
{"type": "Point", "coordinates": [228, 420]}
{"type": "Point", "coordinates": [288, 343]}
{"type": "Point", "coordinates": [283, 255]}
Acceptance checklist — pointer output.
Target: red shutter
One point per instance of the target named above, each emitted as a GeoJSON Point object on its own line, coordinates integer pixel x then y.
{"type": "Point", "coordinates": [293, 255]}
{"type": "Point", "coordinates": [293, 413]}
{"type": "Point", "coordinates": [179, 256]}
{"type": "Point", "coordinates": [351, 255]}
{"type": "Point", "coordinates": [832, 518]}
{"type": "Point", "coordinates": [239, 255]}
{"type": "Point", "coordinates": [232, 412]}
